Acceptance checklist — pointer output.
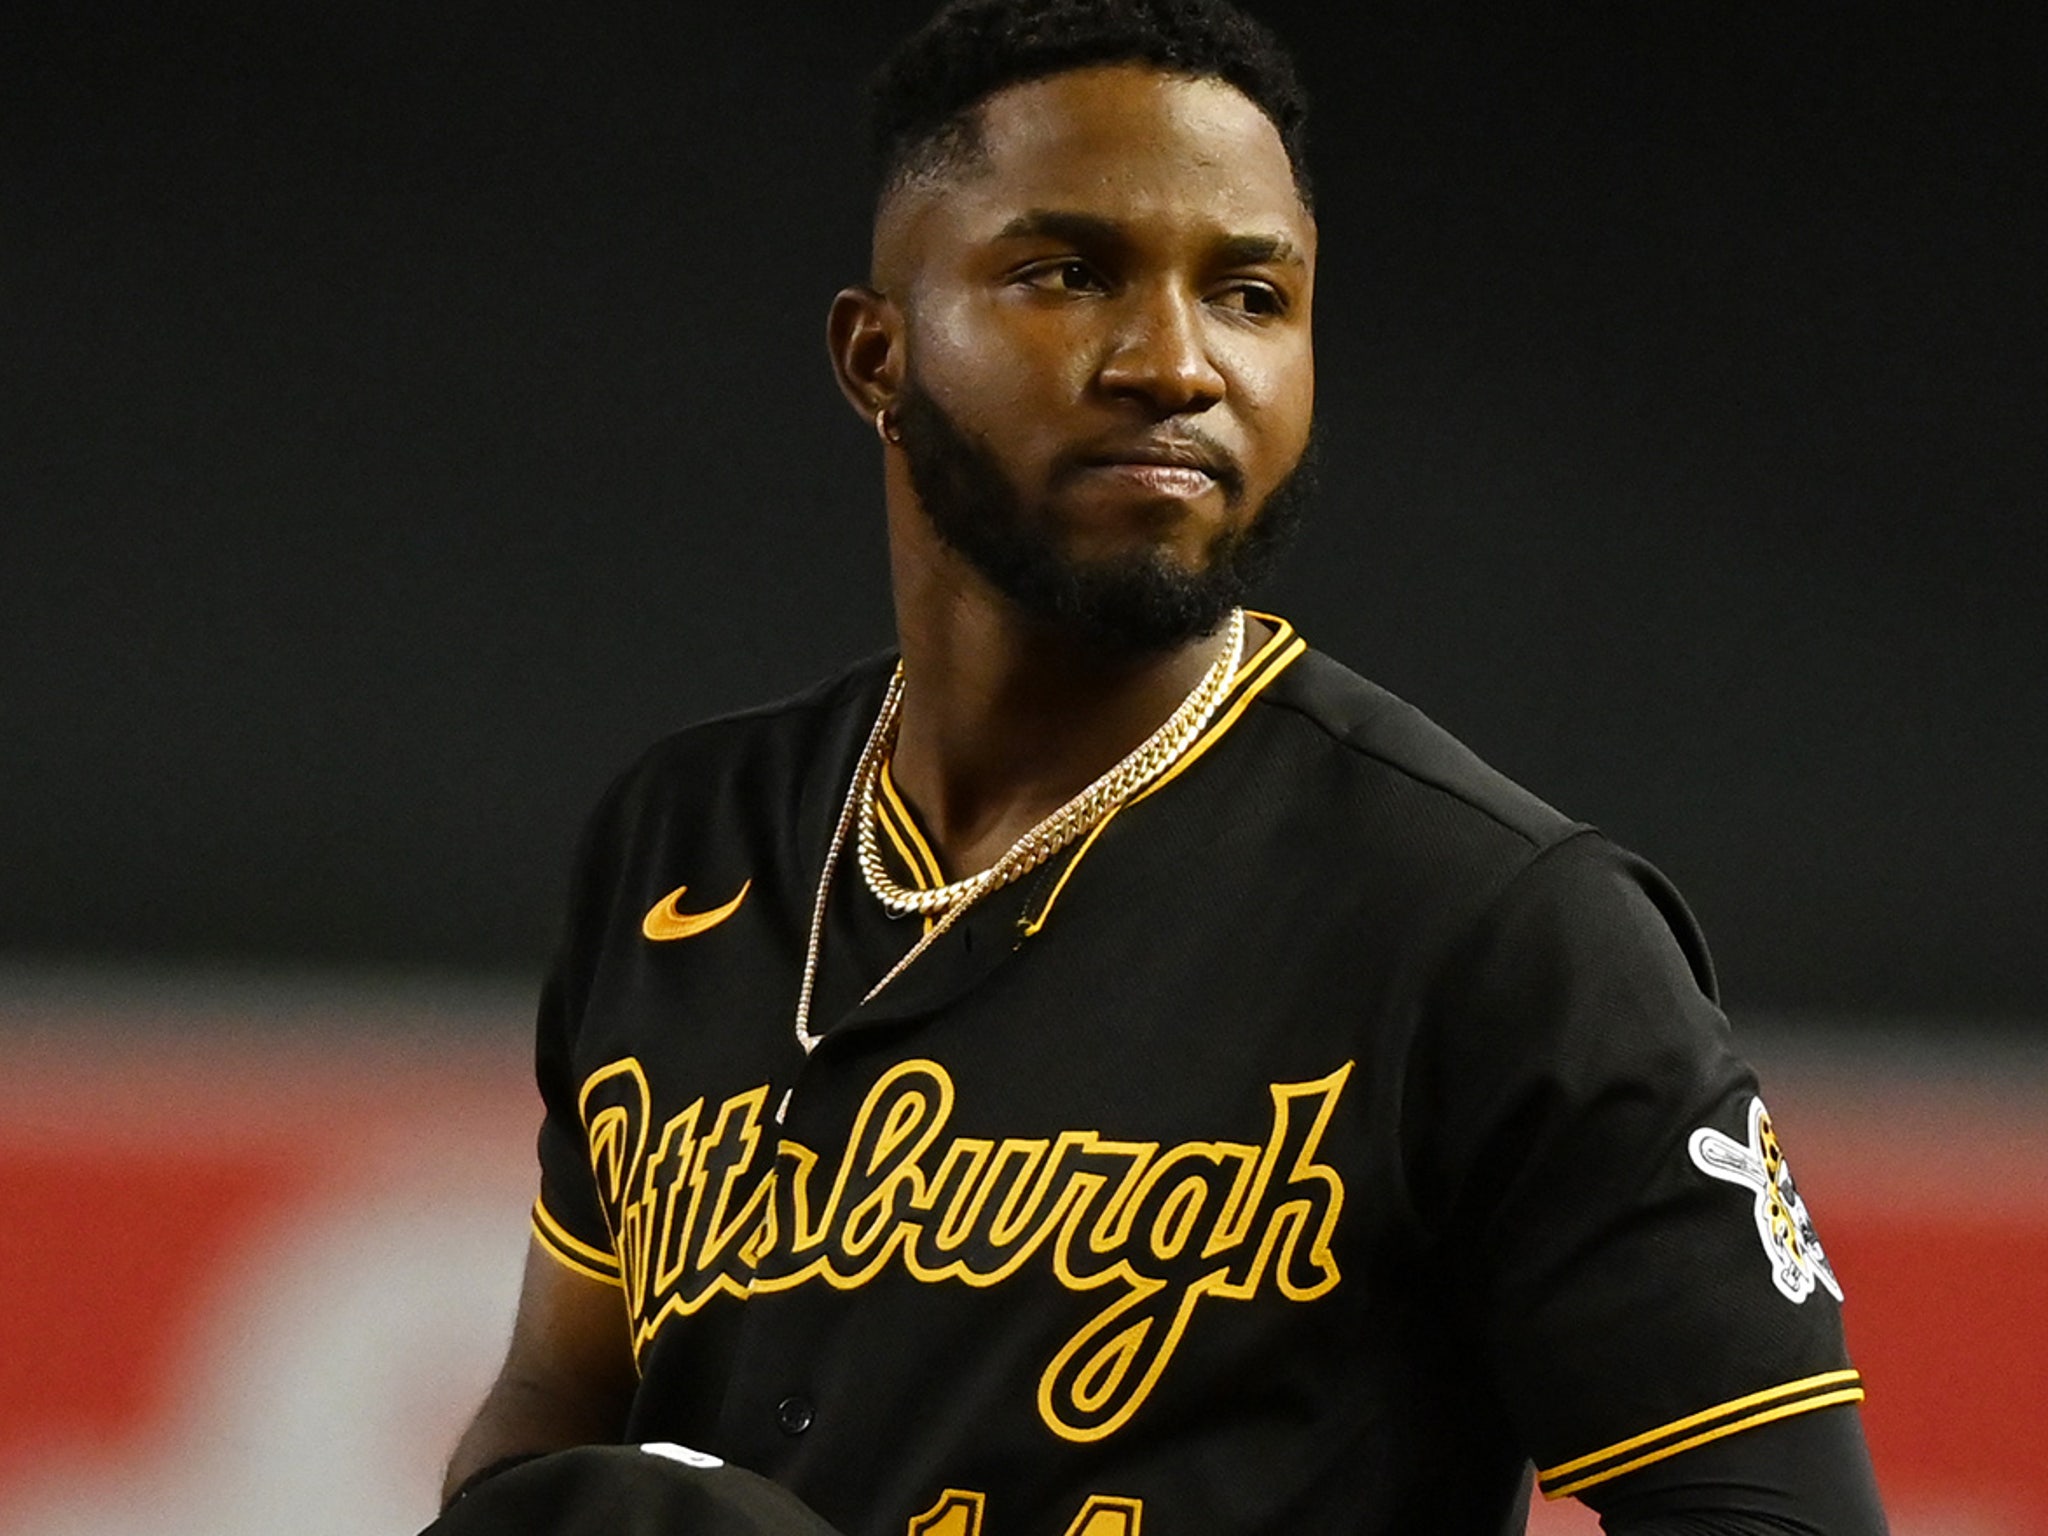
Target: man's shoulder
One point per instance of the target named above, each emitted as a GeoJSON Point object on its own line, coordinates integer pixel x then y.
{"type": "Point", "coordinates": [1403, 805]}
{"type": "Point", "coordinates": [797, 723]}
{"type": "Point", "coordinates": [1383, 738]}
{"type": "Point", "coordinates": [766, 754]}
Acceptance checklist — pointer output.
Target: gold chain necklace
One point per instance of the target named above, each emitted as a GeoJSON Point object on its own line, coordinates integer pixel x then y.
{"type": "Point", "coordinates": [1147, 761]}
{"type": "Point", "coordinates": [1152, 757]}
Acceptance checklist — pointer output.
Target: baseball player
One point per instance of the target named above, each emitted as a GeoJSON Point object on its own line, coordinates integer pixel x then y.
{"type": "Point", "coordinates": [1105, 1066]}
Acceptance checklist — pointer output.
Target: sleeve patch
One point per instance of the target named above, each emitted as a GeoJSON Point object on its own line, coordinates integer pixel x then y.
{"type": "Point", "coordinates": [1759, 1408]}
{"type": "Point", "coordinates": [1791, 1245]}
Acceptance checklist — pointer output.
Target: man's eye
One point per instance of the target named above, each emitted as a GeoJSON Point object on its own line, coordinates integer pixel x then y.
{"type": "Point", "coordinates": [1253, 299]}
{"type": "Point", "coordinates": [1064, 277]}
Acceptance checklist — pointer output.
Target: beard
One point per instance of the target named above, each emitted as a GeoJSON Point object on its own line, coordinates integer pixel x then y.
{"type": "Point", "coordinates": [1143, 601]}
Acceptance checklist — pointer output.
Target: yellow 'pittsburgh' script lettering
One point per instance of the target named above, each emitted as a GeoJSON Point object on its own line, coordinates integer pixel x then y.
{"type": "Point", "coordinates": [1152, 1230]}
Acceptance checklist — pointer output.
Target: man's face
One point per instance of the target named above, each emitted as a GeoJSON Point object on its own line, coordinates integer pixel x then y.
{"type": "Point", "coordinates": [1109, 382]}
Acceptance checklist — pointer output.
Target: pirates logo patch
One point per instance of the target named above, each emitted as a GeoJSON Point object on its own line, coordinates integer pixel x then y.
{"type": "Point", "coordinates": [1790, 1243]}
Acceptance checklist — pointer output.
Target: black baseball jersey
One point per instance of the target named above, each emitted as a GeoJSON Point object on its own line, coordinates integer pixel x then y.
{"type": "Point", "coordinates": [1331, 1133]}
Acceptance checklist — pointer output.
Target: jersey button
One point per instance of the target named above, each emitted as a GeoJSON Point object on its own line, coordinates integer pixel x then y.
{"type": "Point", "coordinates": [793, 1415]}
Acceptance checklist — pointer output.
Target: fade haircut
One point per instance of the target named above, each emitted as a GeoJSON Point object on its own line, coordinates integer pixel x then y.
{"type": "Point", "coordinates": [924, 101]}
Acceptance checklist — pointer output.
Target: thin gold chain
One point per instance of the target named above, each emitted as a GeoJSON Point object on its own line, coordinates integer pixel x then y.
{"type": "Point", "coordinates": [1152, 757]}
{"type": "Point", "coordinates": [877, 737]}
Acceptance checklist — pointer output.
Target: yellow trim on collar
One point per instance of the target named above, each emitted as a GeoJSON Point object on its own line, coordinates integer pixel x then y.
{"type": "Point", "coordinates": [892, 811]}
{"type": "Point", "coordinates": [923, 864]}
{"type": "Point", "coordinates": [1252, 678]}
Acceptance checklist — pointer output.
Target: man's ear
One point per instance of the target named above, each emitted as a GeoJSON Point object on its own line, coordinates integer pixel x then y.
{"type": "Point", "coordinates": [864, 334]}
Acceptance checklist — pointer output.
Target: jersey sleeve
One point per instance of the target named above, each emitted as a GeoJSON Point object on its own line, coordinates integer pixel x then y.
{"type": "Point", "coordinates": [568, 1221]}
{"type": "Point", "coordinates": [1608, 1189]}
{"type": "Point", "coordinates": [1808, 1474]}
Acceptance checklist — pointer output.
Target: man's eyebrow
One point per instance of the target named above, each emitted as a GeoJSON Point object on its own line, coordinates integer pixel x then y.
{"type": "Point", "coordinates": [1056, 224]}
{"type": "Point", "coordinates": [1259, 251]}
{"type": "Point", "coordinates": [1089, 229]}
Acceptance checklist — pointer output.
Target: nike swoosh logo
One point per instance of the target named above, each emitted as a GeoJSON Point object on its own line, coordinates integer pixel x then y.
{"type": "Point", "coordinates": [666, 920]}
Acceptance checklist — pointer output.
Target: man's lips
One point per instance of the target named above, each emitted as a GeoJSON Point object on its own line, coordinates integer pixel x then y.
{"type": "Point", "coordinates": [1179, 469]}
{"type": "Point", "coordinates": [1179, 480]}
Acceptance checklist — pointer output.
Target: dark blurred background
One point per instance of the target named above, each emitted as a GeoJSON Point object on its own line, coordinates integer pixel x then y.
{"type": "Point", "coordinates": [409, 411]}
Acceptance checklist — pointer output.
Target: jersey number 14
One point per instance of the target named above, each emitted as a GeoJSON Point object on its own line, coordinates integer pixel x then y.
{"type": "Point", "coordinates": [959, 1512]}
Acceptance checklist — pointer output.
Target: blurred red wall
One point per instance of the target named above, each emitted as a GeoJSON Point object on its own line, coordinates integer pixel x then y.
{"type": "Point", "coordinates": [225, 1246]}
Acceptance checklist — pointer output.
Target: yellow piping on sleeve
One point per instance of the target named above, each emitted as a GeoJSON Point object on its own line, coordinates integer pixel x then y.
{"type": "Point", "coordinates": [1794, 1397]}
{"type": "Point", "coordinates": [571, 1251]}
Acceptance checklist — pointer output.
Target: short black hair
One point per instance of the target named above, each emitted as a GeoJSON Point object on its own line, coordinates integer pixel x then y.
{"type": "Point", "coordinates": [922, 101]}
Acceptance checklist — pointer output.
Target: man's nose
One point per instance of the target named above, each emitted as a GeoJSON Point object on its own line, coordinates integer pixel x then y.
{"type": "Point", "coordinates": [1159, 354]}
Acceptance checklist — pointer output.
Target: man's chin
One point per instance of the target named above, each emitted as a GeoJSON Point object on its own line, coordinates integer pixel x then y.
{"type": "Point", "coordinates": [1139, 603]}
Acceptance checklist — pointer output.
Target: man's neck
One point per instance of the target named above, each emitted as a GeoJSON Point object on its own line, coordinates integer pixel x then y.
{"type": "Point", "coordinates": [1005, 718]}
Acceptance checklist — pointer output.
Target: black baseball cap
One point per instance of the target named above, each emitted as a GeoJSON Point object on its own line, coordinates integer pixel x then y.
{"type": "Point", "coordinates": [628, 1490]}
